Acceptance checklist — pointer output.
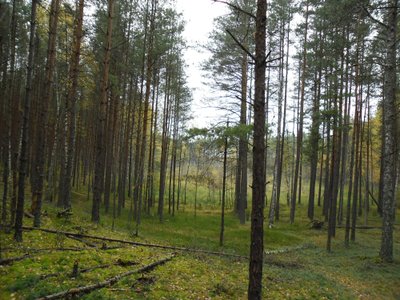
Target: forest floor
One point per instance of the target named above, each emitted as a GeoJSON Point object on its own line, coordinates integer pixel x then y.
{"type": "Point", "coordinates": [303, 270]}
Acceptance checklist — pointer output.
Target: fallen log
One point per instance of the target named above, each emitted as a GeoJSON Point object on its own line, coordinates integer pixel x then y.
{"type": "Point", "coordinates": [56, 249]}
{"type": "Point", "coordinates": [9, 261]}
{"type": "Point", "coordinates": [137, 243]}
{"type": "Point", "coordinates": [89, 288]}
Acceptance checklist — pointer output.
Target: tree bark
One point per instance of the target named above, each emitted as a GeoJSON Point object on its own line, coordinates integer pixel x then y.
{"type": "Point", "coordinates": [299, 140]}
{"type": "Point", "coordinates": [100, 150]}
{"type": "Point", "coordinates": [39, 162]}
{"type": "Point", "coordinates": [258, 193]}
{"type": "Point", "coordinates": [391, 142]}
{"type": "Point", "coordinates": [25, 128]}
{"type": "Point", "coordinates": [221, 235]}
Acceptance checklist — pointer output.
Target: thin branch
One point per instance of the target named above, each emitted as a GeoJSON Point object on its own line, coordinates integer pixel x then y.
{"type": "Point", "coordinates": [273, 59]}
{"type": "Point", "coordinates": [236, 7]}
{"type": "Point", "coordinates": [240, 45]}
{"type": "Point", "coordinates": [373, 198]}
{"type": "Point", "coordinates": [266, 57]}
{"type": "Point", "coordinates": [373, 18]}
{"type": "Point", "coordinates": [9, 261]}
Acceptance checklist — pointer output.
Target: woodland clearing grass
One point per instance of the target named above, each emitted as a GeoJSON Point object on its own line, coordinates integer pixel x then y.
{"type": "Point", "coordinates": [310, 273]}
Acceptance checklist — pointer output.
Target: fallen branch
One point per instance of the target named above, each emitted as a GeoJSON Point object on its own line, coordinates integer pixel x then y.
{"type": "Point", "coordinates": [91, 245]}
{"type": "Point", "coordinates": [45, 276]}
{"type": "Point", "coordinates": [64, 213]}
{"type": "Point", "coordinates": [56, 249]}
{"type": "Point", "coordinates": [284, 250]}
{"type": "Point", "coordinates": [28, 215]}
{"type": "Point", "coordinates": [119, 262]}
{"type": "Point", "coordinates": [138, 243]}
{"type": "Point", "coordinates": [375, 201]}
{"type": "Point", "coordinates": [89, 288]}
{"type": "Point", "coordinates": [77, 249]}
{"type": "Point", "coordinates": [316, 224]}
{"type": "Point", "coordinates": [282, 264]}
{"type": "Point", "coordinates": [9, 261]}
{"type": "Point", "coordinates": [362, 227]}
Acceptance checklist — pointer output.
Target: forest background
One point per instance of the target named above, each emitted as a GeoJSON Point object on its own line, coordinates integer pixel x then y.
{"type": "Point", "coordinates": [95, 108]}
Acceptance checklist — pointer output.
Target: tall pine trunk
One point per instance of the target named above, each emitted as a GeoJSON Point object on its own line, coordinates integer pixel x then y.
{"type": "Point", "coordinates": [391, 139]}
{"type": "Point", "coordinates": [258, 193]}
{"type": "Point", "coordinates": [299, 140]}
{"type": "Point", "coordinates": [100, 149]}
{"type": "Point", "coordinates": [25, 128]}
{"type": "Point", "coordinates": [71, 102]}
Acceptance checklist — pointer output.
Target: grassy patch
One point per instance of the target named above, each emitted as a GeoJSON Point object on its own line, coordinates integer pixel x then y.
{"type": "Point", "coordinates": [311, 273]}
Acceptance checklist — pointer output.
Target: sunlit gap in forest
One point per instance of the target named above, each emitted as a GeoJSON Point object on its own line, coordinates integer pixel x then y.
{"type": "Point", "coordinates": [210, 149]}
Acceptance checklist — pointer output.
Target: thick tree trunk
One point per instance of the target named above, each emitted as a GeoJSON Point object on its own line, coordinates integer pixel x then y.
{"type": "Point", "coordinates": [391, 141]}
{"type": "Point", "coordinates": [258, 193]}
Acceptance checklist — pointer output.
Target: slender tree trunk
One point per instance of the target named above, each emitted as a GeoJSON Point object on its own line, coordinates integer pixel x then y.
{"type": "Point", "coordinates": [358, 150]}
{"type": "Point", "coordinates": [164, 149]}
{"type": "Point", "coordinates": [152, 148]}
{"type": "Point", "coordinates": [39, 162]}
{"type": "Point", "coordinates": [25, 128]}
{"type": "Point", "coordinates": [345, 139]}
{"type": "Point", "coordinates": [314, 134]}
{"type": "Point", "coordinates": [325, 206]}
{"type": "Point", "coordinates": [187, 177]}
{"type": "Point", "coordinates": [334, 178]}
{"type": "Point", "coordinates": [221, 235]}
{"type": "Point", "coordinates": [100, 150]}
{"type": "Point", "coordinates": [350, 184]}
{"type": "Point", "coordinates": [149, 76]}
{"type": "Point", "coordinates": [9, 99]}
{"type": "Point", "coordinates": [278, 150]}
{"type": "Point", "coordinates": [179, 176]}
{"type": "Point", "coordinates": [299, 143]}
{"type": "Point", "coordinates": [242, 161]}
{"type": "Point", "coordinates": [71, 101]}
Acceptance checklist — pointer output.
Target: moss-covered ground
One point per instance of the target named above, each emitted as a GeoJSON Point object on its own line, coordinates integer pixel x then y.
{"type": "Point", "coordinates": [309, 273]}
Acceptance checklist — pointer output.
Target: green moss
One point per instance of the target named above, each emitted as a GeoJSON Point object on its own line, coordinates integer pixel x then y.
{"type": "Point", "coordinates": [310, 273]}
